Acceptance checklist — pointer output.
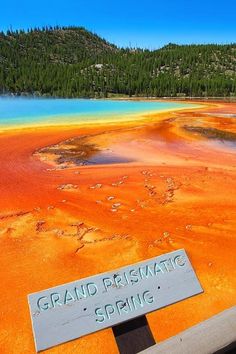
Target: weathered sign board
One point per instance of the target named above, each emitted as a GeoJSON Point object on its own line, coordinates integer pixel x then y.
{"type": "Point", "coordinates": [81, 307]}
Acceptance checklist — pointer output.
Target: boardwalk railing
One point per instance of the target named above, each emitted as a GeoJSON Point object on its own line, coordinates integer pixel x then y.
{"type": "Point", "coordinates": [215, 335]}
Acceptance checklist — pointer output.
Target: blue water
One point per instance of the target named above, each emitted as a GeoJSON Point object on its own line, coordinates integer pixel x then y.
{"type": "Point", "coordinates": [33, 111]}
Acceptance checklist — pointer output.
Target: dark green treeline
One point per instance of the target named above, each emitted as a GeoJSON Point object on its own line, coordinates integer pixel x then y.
{"type": "Point", "coordinates": [73, 62]}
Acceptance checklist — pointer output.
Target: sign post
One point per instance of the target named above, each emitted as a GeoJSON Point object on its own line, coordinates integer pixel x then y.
{"type": "Point", "coordinates": [133, 336]}
{"type": "Point", "coordinates": [113, 299]}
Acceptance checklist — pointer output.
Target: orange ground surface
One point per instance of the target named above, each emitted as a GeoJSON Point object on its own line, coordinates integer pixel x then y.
{"type": "Point", "coordinates": [178, 191]}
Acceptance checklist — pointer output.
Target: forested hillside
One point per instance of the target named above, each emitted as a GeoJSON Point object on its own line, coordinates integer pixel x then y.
{"type": "Point", "coordinates": [73, 62]}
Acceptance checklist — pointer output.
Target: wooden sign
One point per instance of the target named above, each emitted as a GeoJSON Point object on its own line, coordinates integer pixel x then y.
{"type": "Point", "coordinates": [81, 307]}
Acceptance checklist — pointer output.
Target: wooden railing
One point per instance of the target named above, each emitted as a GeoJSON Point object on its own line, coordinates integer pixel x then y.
{"type": "Point", "coordinates": [215, 335]}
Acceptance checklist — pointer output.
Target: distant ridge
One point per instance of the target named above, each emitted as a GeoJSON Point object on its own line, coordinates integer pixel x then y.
{"type": "Point", "coordinates": [73, 62]}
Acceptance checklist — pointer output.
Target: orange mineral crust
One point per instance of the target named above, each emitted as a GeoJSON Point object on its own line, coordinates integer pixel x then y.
{"type": "Point", "coordinates": [77, 201]}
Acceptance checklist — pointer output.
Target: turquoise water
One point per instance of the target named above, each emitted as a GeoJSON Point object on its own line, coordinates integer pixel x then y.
{"type": "Point", "coordinates": [33, 111]}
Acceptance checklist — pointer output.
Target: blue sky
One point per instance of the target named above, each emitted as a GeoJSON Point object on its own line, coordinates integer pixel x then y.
{"type": "Point", "coordinates": [147, 23]}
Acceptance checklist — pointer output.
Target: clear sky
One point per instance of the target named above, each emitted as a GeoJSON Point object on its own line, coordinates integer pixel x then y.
{"type": "Point", "coordinates": [147, 23]}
